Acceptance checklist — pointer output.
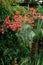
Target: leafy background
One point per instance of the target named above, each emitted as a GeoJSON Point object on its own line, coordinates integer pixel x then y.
{"type": "Point", "coordinates": [15, 47]}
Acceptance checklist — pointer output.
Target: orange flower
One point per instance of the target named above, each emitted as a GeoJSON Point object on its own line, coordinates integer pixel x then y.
{"type": "Point", "coordinates": [34, 13]}
{"type": "Point", "coordinates": [30, 20]}
{"type": "Point", "coordinates": [32, 10]}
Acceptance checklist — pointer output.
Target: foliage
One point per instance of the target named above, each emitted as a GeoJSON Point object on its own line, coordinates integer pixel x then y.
{"type": "Point", "coordinates": [3, 13]}
{"type": "Point", "coordinates": [17, 33]}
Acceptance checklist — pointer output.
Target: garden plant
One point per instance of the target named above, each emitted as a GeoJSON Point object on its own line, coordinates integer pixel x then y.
{"type": "Point", "coordinates": [21, 34]}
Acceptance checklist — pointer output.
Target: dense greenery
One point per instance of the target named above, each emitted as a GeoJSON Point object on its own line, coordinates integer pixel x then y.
{"type": "Point", "coordinates": [16, 45]}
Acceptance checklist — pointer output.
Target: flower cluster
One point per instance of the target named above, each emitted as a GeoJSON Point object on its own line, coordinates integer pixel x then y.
{"type": "Point", "coordinates": [32, 16]}
{"type": "Point", "coordinates": [35, 14]}
{"type": "Point", "coordinates": [15, 24]}
{"type": "Point", "coordinates": [29, 19]}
